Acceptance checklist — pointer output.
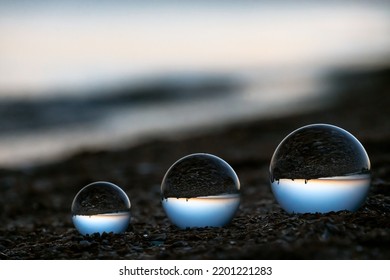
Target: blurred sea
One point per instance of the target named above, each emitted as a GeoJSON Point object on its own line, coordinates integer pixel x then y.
{"type": "Point", "coordinates": [84, 75]}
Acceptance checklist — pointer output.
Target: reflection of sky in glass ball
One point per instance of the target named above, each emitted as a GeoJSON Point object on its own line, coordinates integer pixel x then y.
{"type": "Point", "coordinates": [200, 190]}
{"type": "Point", "coordinates": [321, 195]}
{"type": "Point", "coordinates": [215, 211]}
{"type": "Point", "coordinates": [320, 168]}
{"type": "Point", "coordinates": [101, 207]}
{"type": "Point", "coordinates": [114, 222]}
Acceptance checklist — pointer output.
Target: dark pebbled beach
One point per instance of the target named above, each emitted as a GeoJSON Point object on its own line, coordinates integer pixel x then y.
{"type": "Point", "coordinates": [35, 202]}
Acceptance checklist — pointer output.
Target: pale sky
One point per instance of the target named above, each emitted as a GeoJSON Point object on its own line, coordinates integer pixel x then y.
{"type": "Point", "coordinates": [47, 47]}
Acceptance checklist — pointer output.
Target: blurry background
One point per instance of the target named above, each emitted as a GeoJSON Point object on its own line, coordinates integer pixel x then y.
{"type": "Point", "coordinates": [85, 74]}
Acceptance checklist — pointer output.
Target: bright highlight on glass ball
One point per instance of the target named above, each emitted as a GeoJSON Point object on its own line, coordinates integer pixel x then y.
{"type": "Point", "coordinates": [320, 168]}
{"type": "Point", "coordinates": [200, 190]}
{"type": "Point", "coordinates": [101, 207]}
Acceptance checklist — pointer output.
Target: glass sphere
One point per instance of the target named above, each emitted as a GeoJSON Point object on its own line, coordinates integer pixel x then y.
{"type": "Point", "coordinates": [200, 190]}
{"type": "Point", "coordinates": [320, 168]}
{"type": "Point", "coordinates": [101, 207]}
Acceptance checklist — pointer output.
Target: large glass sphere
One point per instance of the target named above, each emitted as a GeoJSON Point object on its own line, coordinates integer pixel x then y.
{"type": "Point", "coordinates": [320, 168]}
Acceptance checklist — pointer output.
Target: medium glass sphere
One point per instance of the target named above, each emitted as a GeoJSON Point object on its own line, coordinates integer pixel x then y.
{"type": "Point", "coordinates": [101, 207]}
{"type": "Point", "coordinates": [200, 190]}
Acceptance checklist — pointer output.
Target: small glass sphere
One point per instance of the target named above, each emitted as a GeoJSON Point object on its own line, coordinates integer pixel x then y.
{"type": "Point", "coordinates": [101, 207]}
{"type": "Point", "coordinates": [320, 168]}
{"type": "Point", "coordinates": [200, 190]}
